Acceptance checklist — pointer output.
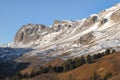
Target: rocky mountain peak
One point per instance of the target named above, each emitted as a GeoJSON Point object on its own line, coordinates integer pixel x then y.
{"type": "Point", "coordinates": [61, 28]}
{"type": "Point", "coordinates": [30, 32]}
{"type": "Point", "coordinates": [78, 37]}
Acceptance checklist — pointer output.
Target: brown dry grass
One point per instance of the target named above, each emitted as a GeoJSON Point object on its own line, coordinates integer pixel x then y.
{"type": "Point", "coordinates": [48, 76]}
{"type": "Point", "coordinates": [56, 62]}
{"type": "Point", "coordinates": [110, 63]}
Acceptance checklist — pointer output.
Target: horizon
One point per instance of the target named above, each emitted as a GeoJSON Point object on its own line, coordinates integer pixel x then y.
{"type": "Point", "coordinates": [15, 14]}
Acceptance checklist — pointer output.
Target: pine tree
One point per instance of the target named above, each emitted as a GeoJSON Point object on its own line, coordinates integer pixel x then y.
{"type": "Point", "coordinates": [65, 66]}
{"type": "Point", "coordinates": [89, 59]}
{"type": "Point", "coordinates": [107, 51]}
{"type": "Point", "coordinates": [113, 51]}
{"type": "Point", "coordinates": [82, 60]}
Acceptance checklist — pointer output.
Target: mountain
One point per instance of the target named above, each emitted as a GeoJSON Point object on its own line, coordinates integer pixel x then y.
{"type": "Point", "coordinates": [87, 36]}
{"type": "Point", "coordinates": [37, 43]}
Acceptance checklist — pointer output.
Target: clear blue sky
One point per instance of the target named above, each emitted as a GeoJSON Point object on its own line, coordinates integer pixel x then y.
{"type": "Point", "coordinates": [15, 13]}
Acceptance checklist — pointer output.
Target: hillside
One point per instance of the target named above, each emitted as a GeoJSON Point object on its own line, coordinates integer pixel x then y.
{"type": "Point", "coordinates": [107, 64]}
{"type": "Point", "coordinates": [102, 66]}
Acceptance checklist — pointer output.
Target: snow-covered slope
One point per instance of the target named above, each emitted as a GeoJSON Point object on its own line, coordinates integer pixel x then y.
{"type": "Point", "coordinates": [71, 38]}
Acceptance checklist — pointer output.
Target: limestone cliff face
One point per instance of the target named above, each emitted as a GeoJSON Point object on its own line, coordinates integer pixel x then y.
{"type": "Point", "coordinates": [30, 32]}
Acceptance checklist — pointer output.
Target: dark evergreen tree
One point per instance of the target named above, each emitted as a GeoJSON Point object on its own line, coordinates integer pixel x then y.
{"type": "Point", "coordinates": [58, 69]}
{"type": "Point", "coordinates": [95, 57]}
{"type": "Point", "coordinates": [82, 60]}
{"type": "Point", "coordinates": [113, 51]}
{"type": "Point", "coordinates": [79, 61]}
{"type": "Point", "coordinates": [32, 74]}
{"type": "Point", "coordinates": [65, 67]}
{"type": "Point", "coordinates": [103, 54]}
{"type": "Point", "coordinates": [89, 59]}
{"type": "Point", "coordinates": [49, 68]}
{"type": "Point", "coordinates": [107, 51]}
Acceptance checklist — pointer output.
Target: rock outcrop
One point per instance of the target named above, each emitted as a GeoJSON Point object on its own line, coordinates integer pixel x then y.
{"type": "Point", "coordinates": [116, 16]}
{"type": "Point", "coordinates": [103, 21]}
{"type": "Point", "coordinates": [30, 32]}
{"type": "Point", "coordinates": [85, 40]}
{"type": "Point", "coordinates": [90, 21]}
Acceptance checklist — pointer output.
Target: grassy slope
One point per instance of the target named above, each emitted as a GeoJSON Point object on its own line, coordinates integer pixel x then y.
{"type": "Point", "coordinates": [109, 63]}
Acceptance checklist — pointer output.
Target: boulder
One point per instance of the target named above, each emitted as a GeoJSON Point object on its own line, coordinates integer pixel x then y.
{"type": "Point", "coordinates": [85, 39]}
